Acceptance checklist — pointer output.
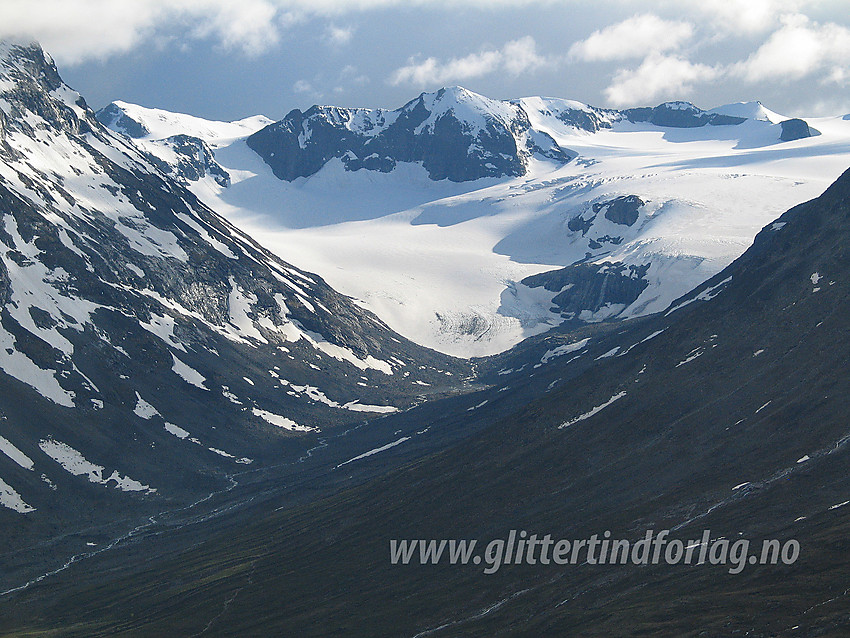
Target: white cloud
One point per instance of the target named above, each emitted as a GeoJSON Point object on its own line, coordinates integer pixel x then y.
{"type": "Point", "coordinates": [339, 36]}
{"type": "Point", "coordinates": [798, 49]}
{"type": "Point", "coordinates": [431, 71]}
{"type": "Point", "coordinates": [746, 16]}
{"type": "Point", "coordinates": [351, 75]}
{"type": "Point", "coordinates": [658, 76]}
{"type": "Point", "coordinates": [516, 57]}
{"type": "Point", "coordinates": [248, 24]}
{"type": "Point", "coordinates": [339, 7]}
{"type": "Point", "coordinates": [521, 55]}
{"type": "Point", "coordinates": [636, 37]}
{"type": "Point", "coordinates": [303, 86]}
{"type": "Point", "coordinates": [74, 31]}
{"type": "Point", "coordinates": [322, 84]}
{"type": "Point", "coordinates": [78, 30]}
{"type": "Point", "coordinates": [825, 108]}
{"type": "Point", "coordinates": [838, 75]}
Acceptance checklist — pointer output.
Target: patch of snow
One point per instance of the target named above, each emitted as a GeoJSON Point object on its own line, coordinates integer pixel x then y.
{"type": "Point", "coordinates": [706, 295]}
{"type": "Point", "coordinates": [751, 111]}
{"type": "Point", "coordinates": [377, 450]}
{"type": "Point", "coordinates": [15, 454]}
{"type": "Point", "coordinates": [356, 406]}
{"type": "Point", "coordinates": [161, 124]}
{"type": "Point", "coordinates": [10, 499]}
{"type": "Point", "coordinates": [593, 411]}
{"type": "Point", "coordinates": [691, 356]}
{"type": "Point", "coordinates": [282, 421]}
{"type": "Point", "coordinates": [135, 270]}
{"type": "Point", "coordinates": [610, 353]}
{"type": "Point", "coordinates": [176, 430]}
{"type": "Point", "coordinates": [144, 409]}
{"type": "Point", "coordinates": [226, 393]}
{"type": "Point", "coordinates": [16, 364]}
{"type": "Point", "coordinates": [77, 465]}
{"type": "Point", "coordinates": [559, 351]}
{"type": "Point", "coordinates": [644, 340]}
{"type": "Point", "coordinates": [189, 375]}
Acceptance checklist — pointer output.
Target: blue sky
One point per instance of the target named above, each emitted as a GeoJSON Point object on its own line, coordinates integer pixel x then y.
{"type": "Point", "coordinates": [225, 60]}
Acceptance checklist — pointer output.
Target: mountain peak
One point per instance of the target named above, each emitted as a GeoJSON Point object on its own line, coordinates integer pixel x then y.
{"type": "Point", "coordinates": [679, 105]}
{"type": "Point", "coordinates": [753, 110]}
{"type": "Point", "coordinates": [26, 59]}
{"type": "Point", "coordinates": [455, 90]}
{"type": "Point", "coordinates": [139, 122]}
{"type": "Point", "coordinates": [33, 84]}
{"type": "Point", "coordinates": [13, 47]}
{"type": "Point", "coordinates": [463, 101]}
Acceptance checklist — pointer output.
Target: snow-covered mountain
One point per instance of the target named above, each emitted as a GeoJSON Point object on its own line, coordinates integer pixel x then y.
{"type": "Point", "coordinates": [180, 145]}
{"type": "Point", "coordinates": [445, 216]}
{"type": "Point", "coordinates": [149, 348]}
{"type": "Point", "coordinates": [454, 134]}
{"type": "Point", "coordinates": [140, 122]}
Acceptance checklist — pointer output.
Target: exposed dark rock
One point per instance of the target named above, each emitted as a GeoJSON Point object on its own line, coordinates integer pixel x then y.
{"type": "Point", "coordinates": [597, 243]}
{"type": "Point", "coordinates": [590, 287]}
{"type": "Point", "coordinates": [680, 115]}
{"type": "Point", "coordinates": [579, 223]}
{"type": "Point", "coordinates": [196, 160]}
{"type": "Point", "coordinates": [794, 129]}
{"type": "Point", "coordinates": [36, 87]}
{"type": "Point", "coordinates": [621, 210]}
{"type": "Point", "coordinates": [589, 121]}
{"type": "Point", "coordinates": [113, 117]}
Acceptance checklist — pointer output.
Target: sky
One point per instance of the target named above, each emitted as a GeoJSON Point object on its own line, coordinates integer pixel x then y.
{"type": "Point", "coordinates": [228, 59]}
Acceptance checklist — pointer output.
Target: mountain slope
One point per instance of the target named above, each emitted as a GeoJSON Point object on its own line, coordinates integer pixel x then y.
{"type": "Point", "coordinates": [150, 349]}
{"type": "Point", "coordinates": [724, 414]}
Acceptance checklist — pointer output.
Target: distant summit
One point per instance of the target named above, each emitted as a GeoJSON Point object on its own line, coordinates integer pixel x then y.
{"type": "Point", "coordinates": [454, 133]}
{"type": "Point", "coordinates": [459, 135]}
{"type": "Point", "coordinates": [681, 115]}
{"type": "Point", "coordinates": [749, 110]}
